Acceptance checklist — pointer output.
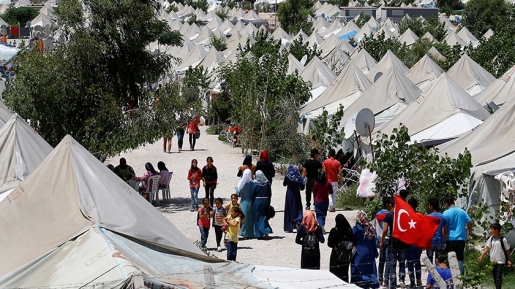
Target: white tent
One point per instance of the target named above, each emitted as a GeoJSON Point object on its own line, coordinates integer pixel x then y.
{"type": "Point", "coordinates": [336, 60]}
{"type": "Point", "coordinates": [193, 59]}
{"type": "Point", "coordinates": [488, 34]}
{"type": "Point", "coordinates": [428, 36]}
{"type": "Point", "coordinates": [435, 54]}
{"type": "Point", "coordinates": [470, 75]}
{"type": "Point", "coordinates": [204, 36]}
{"type": "Point", "coordinates": [318, 73]}
{"type": "Point", "coordinates": [424, 72]}
{"type": "Point", "coordinates": [314, 39]}
{"type": "Point", "coordinates": [387, 33]}
{"type": "Point", "coordinates": [391, 93]}
{"type": "Point", "coordinates": [65, 218]}
{"type": "Point", "coordinates": [294, 65]}
{"type": "Point", "coordinates": [329, 44]}
{"type": "Point", "coordinates": [442, 112]}
{"type": "Point", "coordinates": [452, 39]}
{"type": "Point", "coordinates": [500, 91]}
{"type": "Point", "coordinates": [346, 88]}
{"type": "Point", "coordinates": [386, 63]}
{"type": "Point", "coordinates": [5, 114]}
{"type": "Point", "coordinates": [468, 37]}
{"type": "Point", "coordinates": [363, 60]}
{"type": "Point", "coordinates": [212, 60]}
{"type": "Point", "coordinates": [22, 149]}
{"type": "Point", "coordinates": [408, 37]}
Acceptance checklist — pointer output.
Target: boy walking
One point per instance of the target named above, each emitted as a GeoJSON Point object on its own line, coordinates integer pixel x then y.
{"type": "Point", "coordinates": [499, 251]}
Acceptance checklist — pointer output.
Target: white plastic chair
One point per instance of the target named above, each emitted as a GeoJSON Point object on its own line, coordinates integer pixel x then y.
{"type": "Point", "coordinates": [166, 190]}
{"type": "Point", "coordinates": [152, 188]}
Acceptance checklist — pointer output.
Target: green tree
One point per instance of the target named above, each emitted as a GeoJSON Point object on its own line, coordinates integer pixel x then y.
{"type": "Point", "coordinates": [80, 87]}
{"type": "Point", "coordinates": [293, 15]}
{"type": "Point", "coordinates": [496, 54]}
{"type": "Point", "coordinates": [435, 27]}
{"type": "Point", "coordinates": [362, 20]}
{"type": "Point", "coordinates": [426, 173]}
{"type": "Point", "coordinates": [218, 43]}
{"type": "Point", "coordinates": [298, 49]}
{"type": "Point", "coordinates": [339, 3]}
{"type": "Point", "coordinates": [19, 16]}
{"type": "Point", "coordinates": [326, 133]}
{"type": "Point", "coordinates": [481, 15]}
{"type": "Point", "coordinates": [264, 100]}
{"type": "Point", "coordinates": [413, 23]}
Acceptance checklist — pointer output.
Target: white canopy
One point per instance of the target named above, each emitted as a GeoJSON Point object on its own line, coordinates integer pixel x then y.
{"type": "Point", "coordinates": [294, 65]}
{"type": "Point", "coordinates": [409, 37]}
{"type": "Point", "coordinates": [386, 63]}
{"type": "Point", "coordinates": [318, 73]}
{"type": "Point", "coordinates": [363, 60]}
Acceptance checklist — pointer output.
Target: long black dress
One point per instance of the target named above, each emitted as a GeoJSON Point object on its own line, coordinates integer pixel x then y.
{"type": "Point", "coordinates": [305, 261]}
{"type": "Point", "coordinates": [340, 269]}
{"type": "Point", "coordinates": [267, 168]}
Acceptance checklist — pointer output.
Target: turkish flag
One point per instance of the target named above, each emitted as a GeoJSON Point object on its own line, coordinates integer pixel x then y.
{"type": "Point", "coordinates": [411, 227]}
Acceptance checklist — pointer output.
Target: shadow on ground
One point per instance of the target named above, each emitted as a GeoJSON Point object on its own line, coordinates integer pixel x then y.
{"type": "Point", "coordinates": [176, 204]}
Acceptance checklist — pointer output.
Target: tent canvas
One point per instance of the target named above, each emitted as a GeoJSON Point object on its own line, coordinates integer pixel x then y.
{"type": "Point", "coordinates": [363, 60]}
{"type": "Point", "coordinates": [389, 61]}
{"type": "Point", "coordinates": [470, 75]}
{"type": "Point", "coordinates": [500, 91]}
{"type": "Point", "coordinates": [22, 149]}
{"type": "Point", "coordinates": [424, 72]}
{"type": "Point", "coordinates": [318, 73]}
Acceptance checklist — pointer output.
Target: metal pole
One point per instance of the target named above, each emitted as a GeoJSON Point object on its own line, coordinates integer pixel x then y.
{"type": "Point", "coordinates": [371, 144]}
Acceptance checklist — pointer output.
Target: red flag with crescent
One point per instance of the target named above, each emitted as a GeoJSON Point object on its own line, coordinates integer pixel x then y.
{"type": "Point", "coordinates": [411, 227]}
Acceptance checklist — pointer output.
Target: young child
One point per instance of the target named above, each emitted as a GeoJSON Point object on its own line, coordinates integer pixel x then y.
{"type": "Point", "coordinates": [443, 270]}
{"type": "Point", "coordinates": [233, 229]}
{"type": "Point", "coordinates": [499, 253]}
{"type": "Point", "coordinates": [233, 203]}
{"type": "Point", "coordinates": [194, 176]}
{"type": "Point", "coordinates": [220, 213]}
{"type": "Point", "coordinates": [205, 213]}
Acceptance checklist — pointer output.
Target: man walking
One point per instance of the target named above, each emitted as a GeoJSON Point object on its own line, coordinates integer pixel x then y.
{"type": "Point", "coordinates": [383, 258]}
{"type": "Point", "coordinates": [311, 168]}
{"type": "Point", "coordinates": [333, 170]}
{"type": "Point", "coordinates": [458, 222]}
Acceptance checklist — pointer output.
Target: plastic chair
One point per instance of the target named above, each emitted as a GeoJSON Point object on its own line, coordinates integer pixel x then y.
{"type": "Point", "coordinates": [152, 188]}
{"type": "Point", "coordinates": [166, 190]}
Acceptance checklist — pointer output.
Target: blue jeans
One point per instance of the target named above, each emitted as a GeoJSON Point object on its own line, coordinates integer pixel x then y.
{"type": "Point", "coordinates": [434, 248]}
{"type": "Point", "coordinates": [321, 212]}
{"type": "Point", "coordinates": [232, 250]}
{"type": "Point", "coordinates": [383, 271]}
{"type": "Point", "coordinates": [204, 234]}
{"type": "Point", "coordinates": [396, 255]}
{"type": "Point", "coordinates": [414, 268]}
{"type": "Point", "coordinates": [194, 197]}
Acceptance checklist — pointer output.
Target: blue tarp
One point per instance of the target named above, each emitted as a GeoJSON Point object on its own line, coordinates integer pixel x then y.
{"type": "Point", "coordinates": [348, 35]}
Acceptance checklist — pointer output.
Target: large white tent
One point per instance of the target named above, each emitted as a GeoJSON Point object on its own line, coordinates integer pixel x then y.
{"type": "Point", "coordinates": [22, 149]}
{"type": "Point", "coordinates": [424, 72]}
{"type": "Point", "coordinates": [470, 75]}
{"type": "Point", "coordinates": [389, 61]}
{"type": "Point", "coordinates": [442, 112]}
{"type": "Point", "coordinates": [500, 91]}
{"type": "Point", "coordinates": [76, 223]}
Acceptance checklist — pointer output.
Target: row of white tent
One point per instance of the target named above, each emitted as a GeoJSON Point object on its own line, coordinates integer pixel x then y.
{"type": "Point", "coordinates": [67, 221]}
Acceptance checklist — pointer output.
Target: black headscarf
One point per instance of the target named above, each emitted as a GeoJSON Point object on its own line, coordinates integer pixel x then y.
{"type": "Point", "coordinates": [321, 178]}
{"type": "Point", "coordinates": [342, 223]}
{"type": "Point", "coordinates": [248, 161]}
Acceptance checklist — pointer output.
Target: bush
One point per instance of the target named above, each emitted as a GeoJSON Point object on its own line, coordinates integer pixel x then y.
{"type": "Point", "coordinates": [348, 199]}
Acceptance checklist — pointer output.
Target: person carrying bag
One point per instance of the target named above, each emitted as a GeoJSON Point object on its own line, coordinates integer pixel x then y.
{"type": "Point", "coordinates": [341, 240]}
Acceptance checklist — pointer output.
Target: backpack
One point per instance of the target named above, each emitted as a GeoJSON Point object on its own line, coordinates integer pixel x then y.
{"type": "Point", "coordinates": [344, 249]}
{"type": "Point", "coordinates": [503, 249]}
{"type": "Point", "coordinates": [310, 246]}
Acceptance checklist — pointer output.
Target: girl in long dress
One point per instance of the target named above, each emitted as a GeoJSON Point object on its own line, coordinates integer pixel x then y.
{"type": "Point", "coordinates": [263, 193]}
{"type": "Point", "coordinates": [364, 270]}
{"type": "Point", "coordinates": [294, 183]}
{"type": "Point", "coordinates": [246, 204]}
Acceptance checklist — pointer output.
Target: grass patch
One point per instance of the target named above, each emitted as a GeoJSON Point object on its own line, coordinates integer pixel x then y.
{"type": "Point", "coordinates": [480, 273]}
{"type": "Point", "coordinates": [348, 200]}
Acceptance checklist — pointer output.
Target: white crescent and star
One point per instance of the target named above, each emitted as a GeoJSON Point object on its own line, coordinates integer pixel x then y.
{"type": "Point", "coordinates": [411, 223]}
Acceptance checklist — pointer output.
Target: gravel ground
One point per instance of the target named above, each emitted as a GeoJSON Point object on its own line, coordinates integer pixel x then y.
{"type": "Point", "coordinates": [280, 250]}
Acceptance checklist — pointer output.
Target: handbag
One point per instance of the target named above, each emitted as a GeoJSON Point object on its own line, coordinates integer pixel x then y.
{"type": "Point", "coordinates": [197, 133]}
{"type": "Point", "coordinates": [271, 212]}
{"type": "Point", "coordinates": [344, 252]}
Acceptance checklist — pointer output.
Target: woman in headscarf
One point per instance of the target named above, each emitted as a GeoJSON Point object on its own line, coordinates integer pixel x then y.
{"type": "Point", "coordinates": [342, 231]}
{"type": "Point", "coordinates": [150, 171]}
{"type": "Point", "coordinates": [247, 164]}
{"type": "Point", "coordinates": [263, 193]}
{"type": "Point", "coordinates": [266, 166]}
{"type": "Point", "coordinates": [364, 270]}
{"type": "Point", "coordinates": [294, 183]}
{"type": "Point", "coordinates": [309, 235]}
{"type": "Point", "coordinates": [247, 204]}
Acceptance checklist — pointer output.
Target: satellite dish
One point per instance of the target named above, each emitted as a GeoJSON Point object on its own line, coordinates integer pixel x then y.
{"type": "Point", "coordinates": [365, 122]}
{"type": "Point", "coordinates": [303, 60]}
{"type": "Point", "coordinates": [378, 75]}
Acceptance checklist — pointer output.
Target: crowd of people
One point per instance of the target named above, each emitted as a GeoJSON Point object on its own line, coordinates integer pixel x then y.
{"type": "Point", "coordinates": [354, 249]}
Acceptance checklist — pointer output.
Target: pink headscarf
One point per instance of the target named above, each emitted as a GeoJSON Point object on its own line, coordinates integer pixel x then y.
{"type": "Point", "coordinates": [310, 222]}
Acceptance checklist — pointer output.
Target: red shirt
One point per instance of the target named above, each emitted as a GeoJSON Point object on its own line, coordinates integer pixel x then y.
{"type": "Point", "coordinates": [321, 193]}
{"type": "Point", "coordinates": [332, 168]}
{"type": "Point", "coordinates": [204, 222]}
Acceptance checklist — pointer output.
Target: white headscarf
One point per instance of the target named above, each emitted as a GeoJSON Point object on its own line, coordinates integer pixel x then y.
{"type": "Point", "coordinates": [246, 178]}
